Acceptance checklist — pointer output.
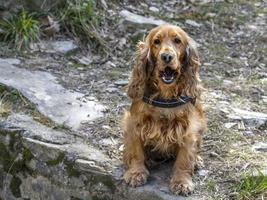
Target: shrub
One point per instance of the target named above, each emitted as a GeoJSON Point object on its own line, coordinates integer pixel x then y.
{"type": "Point", "coordinates": [81, 20]}
{"type": "Point", "coordinates": [20, 30]}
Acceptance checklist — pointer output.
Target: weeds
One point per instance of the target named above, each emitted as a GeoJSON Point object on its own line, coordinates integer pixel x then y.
{"type": "Point", "coordinates": [251, 187]}
{"type": "Point", "coordinates": [5, 108]}
{"type": "Point", "coordinates": [20, 30]}
{"type": "Point", "coordinates": [80, 20]}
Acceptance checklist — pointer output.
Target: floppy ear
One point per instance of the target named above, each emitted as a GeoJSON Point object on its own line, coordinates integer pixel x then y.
{"type": "Point", "coordinates": [191, 55]}
{"type": "Point", "coordinates": [140, 72]}
{"type": "Point", "coordinates": [191, 69]}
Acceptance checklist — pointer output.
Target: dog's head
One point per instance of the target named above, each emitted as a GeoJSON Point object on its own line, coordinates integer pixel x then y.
{"type": "Point", "coordinates": [168, 55]}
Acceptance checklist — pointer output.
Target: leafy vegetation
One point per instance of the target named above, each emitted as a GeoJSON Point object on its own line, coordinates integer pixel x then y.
{"type": "Point", "coordinates": [20, 30]}
{"type": "Point", "coordinates": [251, 187]}
{"type": "Point", "coordinates": [80, 19]}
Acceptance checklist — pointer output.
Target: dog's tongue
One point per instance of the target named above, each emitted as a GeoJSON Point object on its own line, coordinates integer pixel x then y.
{"type": "Point", "coordinates": [168, 76]}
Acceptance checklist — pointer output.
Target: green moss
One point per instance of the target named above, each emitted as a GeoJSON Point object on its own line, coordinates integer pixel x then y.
{"type": "Point", "coordinates": [12, 140]}
{"type": "Point", "coordinates": [11, 164]}
{"type": "Point", "coordinates": [5, 157]}
{"type": "Point", "coordinates": [105, 180]}
{"type": "Point", "coordinates": [15, 186]}
{"type": "Point", "coordinates": [72, 172]}
{"type": "Point", "coordinates": [27, 155]}
{"type": "Point", "coordinates": [2, 88]}
{"type": "Point", "coordinates": [56, 161]}
{"type": "Point", "coordinates": [2, 179]}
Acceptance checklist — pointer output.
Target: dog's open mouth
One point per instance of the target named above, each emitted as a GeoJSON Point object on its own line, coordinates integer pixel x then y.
{"type": "Point", "coordinates": [168, 76]}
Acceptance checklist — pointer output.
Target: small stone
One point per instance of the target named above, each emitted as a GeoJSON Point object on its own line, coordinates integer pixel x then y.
{"type": "Point", "coordinates": [107, 142]}
{"type": "Point", "coordinates": [227, 82]}
{"type": "Point", "coordinates": [153, 9]}
{"type": "Point", "coordinates": [121, 147]}
{"type": "Point", "coordinates": [260, 146]}
{"type": "Point", "coordinates": [106, 127]}
{"type": "Point", "coordinates": [111, 64]}
{"type": "Point", "coordinates": [90, 98]}
{"type": "Point", "coordinates": [143, 5]}
{"type": "Point", "coordinates": [122, 42]}
{"type": "Point", "coordinates": [210, 15]}
{"type": "Point", "coordinates": [229, 125]}
{"type": "Point", "coordinates": [121, 82]}
{"type": "Point", "coordinates": [192, 23]}
{"type": "Point", "coordinates": [112, 89]}
{"type": "Point", "coordinates": [134, 19]}
{"type": "Point", "coordinates": [203, 172]}
{"type": "Point", "coordinates": [84, 60]}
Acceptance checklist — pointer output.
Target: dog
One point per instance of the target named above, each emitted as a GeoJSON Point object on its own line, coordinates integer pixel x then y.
{"type": "Point", "coordinates": [165, 115]}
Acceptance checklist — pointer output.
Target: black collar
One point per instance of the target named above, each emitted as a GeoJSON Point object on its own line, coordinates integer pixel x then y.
{"type": "Point", "coordinates": [169, 103]}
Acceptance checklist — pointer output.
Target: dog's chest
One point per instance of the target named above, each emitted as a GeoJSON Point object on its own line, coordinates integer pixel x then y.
{"type": "Point", "coordinates": [164, 132]}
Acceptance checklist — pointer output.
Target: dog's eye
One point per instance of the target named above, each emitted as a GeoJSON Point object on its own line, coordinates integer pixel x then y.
{"type": "Point", "coordinates": [177, 40]}
{"type": "Point", "coordinates": [156, 41]}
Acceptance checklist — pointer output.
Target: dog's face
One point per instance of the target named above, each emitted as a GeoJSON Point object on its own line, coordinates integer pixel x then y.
{"type": "Point", "coordinates": [167, 61]}
{"type": "Point", "coordinates": [168, 50]}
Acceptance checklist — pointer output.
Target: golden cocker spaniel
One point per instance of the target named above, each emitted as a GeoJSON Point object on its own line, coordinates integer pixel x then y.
{"type": "Point", "coordinates": [166, 115]}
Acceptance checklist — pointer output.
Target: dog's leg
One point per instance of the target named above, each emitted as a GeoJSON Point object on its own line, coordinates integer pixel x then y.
{"type": "Point", "coordinates": [199, 163]}
{"type": "Point", "coordinates": [181, 182]}
{"type": "Point", "coordinates": [134, 160]}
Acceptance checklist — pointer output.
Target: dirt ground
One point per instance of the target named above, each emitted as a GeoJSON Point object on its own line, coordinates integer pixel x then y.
{"type": "Point", "coordinates": [231, 38]}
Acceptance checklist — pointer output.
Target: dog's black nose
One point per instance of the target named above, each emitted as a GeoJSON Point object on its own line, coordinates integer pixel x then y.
{"type": "Point", "coordinates": [166, 57]}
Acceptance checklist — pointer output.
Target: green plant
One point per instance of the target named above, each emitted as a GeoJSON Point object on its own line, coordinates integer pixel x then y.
{"type": "Point", "coordinates": [252, 186]}
{"type": "Point", "coordinates": [5, 108]}
{"type": "Point", "coordinates": [20, 30]}
{"type": "Point", "coordinates": [81, 19]}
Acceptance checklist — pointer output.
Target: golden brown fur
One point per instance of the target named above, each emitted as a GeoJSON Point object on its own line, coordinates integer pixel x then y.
{"type": "Point", "coordinates": [174, 131]}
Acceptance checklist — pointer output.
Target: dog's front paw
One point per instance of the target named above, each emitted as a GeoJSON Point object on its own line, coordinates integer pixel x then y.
{"type": "Point", "coordinates": [181, 185]}
{"type": "Point", "coordinates": [136, 177]}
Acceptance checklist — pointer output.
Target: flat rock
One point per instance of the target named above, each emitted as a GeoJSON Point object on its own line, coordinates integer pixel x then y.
{"type": "Point", "coordinates": [134, 19]}
{"type": "Point", "coordinates": [11, 61]}
{"type": "Point", "coordinates": [66, 167]}
{"type": "Point", "coordinates": [52, 100]}
{"type": "Point", "coordinates": [62, 47]}
{"type": "Point", "coordinates": [254, 119]}
{"type": "Point", "coordinates": [260, 146]}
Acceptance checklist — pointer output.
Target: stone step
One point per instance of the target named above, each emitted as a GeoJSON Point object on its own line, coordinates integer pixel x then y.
{"type": "Point", "coordinates": [37, 162]}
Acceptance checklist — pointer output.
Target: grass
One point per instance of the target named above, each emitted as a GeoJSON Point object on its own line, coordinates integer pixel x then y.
{"type": "Point", "coordinates": [4, 109]}
{"type": "Point", "coordinates": [19, 31]}
{"type": "Point", "coordinates": [253, 187]}
{"type": "Point", "coordinates": [81, 19]}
